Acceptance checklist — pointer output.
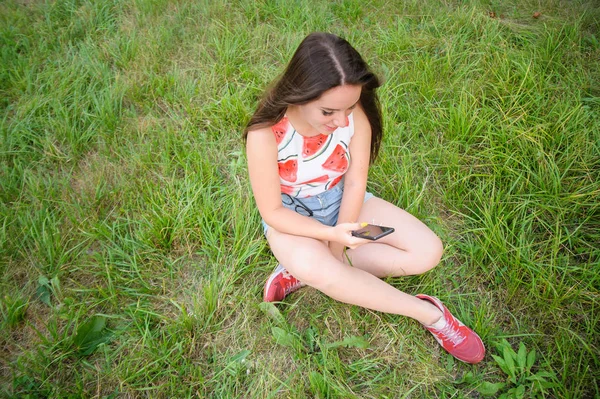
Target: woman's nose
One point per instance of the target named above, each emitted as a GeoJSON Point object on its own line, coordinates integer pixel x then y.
{"type": "Point", "coordinates": [341, 121]}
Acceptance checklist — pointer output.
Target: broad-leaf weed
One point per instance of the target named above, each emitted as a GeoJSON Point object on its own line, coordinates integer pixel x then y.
{"type": "Point", "coordinates": [521, 381]}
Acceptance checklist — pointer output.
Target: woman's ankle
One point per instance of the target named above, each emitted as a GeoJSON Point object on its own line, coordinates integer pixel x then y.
{"type": "Point", "coordinates": [431, 314]}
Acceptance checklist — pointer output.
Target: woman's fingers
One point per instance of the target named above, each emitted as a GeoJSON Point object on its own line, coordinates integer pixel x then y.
{"type": "Point", "coordinates": [345, 237]}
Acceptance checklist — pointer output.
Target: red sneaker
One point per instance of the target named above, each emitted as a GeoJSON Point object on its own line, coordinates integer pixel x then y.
{"type": "Point", "coordinates": [280, 284]}
{"type": "Point", "coordinates": [456, 338]}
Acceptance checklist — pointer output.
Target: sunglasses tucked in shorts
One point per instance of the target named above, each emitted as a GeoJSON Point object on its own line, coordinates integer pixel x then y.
{"type": "Point", "coordinates": [324, 207]}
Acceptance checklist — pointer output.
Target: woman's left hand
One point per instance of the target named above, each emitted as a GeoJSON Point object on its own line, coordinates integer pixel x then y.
{"type": "Point", "coordinates": [342, 234]}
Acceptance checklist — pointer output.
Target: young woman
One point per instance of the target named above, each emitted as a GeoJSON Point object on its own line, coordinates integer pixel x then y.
{"type": "Point", "coordinates": [309, 145]}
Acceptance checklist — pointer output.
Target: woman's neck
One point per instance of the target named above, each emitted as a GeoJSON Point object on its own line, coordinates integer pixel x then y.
{"type": "Point", "coordinates": [299, 123]}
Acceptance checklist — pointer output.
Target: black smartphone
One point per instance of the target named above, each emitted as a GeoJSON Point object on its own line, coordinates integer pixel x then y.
{"type": "Point", "coordinates": [372, 232]}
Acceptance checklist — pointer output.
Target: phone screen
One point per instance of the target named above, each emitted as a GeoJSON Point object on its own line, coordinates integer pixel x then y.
{"type": "Point", "coordinates": [373, 232]}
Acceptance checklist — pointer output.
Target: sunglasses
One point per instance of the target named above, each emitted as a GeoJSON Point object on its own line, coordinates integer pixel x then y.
{"type": "Point", "coordinates": [299, 205]}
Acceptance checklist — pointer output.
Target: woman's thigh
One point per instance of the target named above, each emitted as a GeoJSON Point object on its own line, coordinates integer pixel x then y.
{"type": "Point", "coordinates": [412, 249]}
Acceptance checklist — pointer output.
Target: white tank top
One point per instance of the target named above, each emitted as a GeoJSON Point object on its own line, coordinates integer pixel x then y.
{"type": "Point", "coordinates": [311, 165]}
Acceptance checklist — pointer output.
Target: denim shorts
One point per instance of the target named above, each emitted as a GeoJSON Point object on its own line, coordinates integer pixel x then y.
{"type": "Point", "coordinates": [325, 206]}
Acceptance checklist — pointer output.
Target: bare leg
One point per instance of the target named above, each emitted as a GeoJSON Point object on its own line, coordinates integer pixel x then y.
{"type": "Point", "coordinates": [311, 261]}
{"type": "Point", "coordinates": [412, 249]}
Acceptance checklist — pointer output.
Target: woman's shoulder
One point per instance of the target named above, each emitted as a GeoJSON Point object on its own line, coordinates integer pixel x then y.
{"type": "Point", "coordinates": [361, 121]}
{"type": "Point", "coordinates": [280, 132]}
{"type": "Point", "coordinates": [261, 134]}
{"type": "Point", "coordinates": [261, 144]}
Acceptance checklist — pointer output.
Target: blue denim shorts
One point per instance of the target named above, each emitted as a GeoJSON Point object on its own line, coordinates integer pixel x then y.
{"type": "Point", "coordinates": [325, 206]}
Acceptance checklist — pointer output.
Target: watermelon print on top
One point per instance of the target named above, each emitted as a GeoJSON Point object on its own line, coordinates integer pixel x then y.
{"type": "Point", "coordinates": [311, 165]}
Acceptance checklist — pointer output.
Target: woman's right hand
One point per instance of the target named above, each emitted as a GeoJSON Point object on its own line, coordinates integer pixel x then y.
{"type": "Point", "coordinates": [342, 233]}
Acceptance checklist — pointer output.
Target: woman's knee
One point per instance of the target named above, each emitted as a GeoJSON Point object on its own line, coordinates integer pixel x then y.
{"type": "Point", "coordinates": [312, 270]}
{"type": "Point", "coordinates": [422, 259]}
{"type": "Point", "coordinates": [431, 255]}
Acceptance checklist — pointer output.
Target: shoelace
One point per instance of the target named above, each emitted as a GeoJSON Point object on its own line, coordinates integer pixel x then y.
{"type": "Point", "coordinates": [451, 334]}
{"type": "Point", "coordinates": [287, 277]}
{"type": "Point", "coordinates": [292, 287]}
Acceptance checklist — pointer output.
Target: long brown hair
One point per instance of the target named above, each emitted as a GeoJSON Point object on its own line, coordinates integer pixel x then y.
{"type": "Point", "coordinates": [321, 62]}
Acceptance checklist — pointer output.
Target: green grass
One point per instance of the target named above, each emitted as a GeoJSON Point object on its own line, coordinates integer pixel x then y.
{"type": "Point", "coordinates": [128, 228]}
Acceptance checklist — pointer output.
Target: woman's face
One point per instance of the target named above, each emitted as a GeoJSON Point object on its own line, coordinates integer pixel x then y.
{"type": "Point", "coordinates": [331, 110]}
